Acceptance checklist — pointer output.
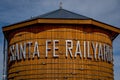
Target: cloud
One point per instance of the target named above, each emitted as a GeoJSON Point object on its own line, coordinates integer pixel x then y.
{"type": "Point", "coordinates": [1, 61]}
{"type": "Point", "coordinates": [18, 10]}
{"type": "Point", "coordinates": [116, 46]}
{"type": "Point", "coordinates": [103, 10]}
{"type": "Point", "coordinates": [117, 67]}
{"type": "Point", "coordinates": [116, 50]}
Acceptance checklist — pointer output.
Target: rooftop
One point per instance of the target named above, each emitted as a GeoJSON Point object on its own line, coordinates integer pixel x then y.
{"type": "Point", "coordinates": [62, 14]}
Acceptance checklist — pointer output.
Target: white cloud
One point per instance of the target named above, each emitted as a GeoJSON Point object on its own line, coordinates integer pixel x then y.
{"type": "Point", "coordinates": [116, 45]}
{"type": "Point", "coordinates": [117, 60]}
{"type": "Point", "coordinates": [1, 62]}
{"type": "Point", "coordinates": [16, 10]}
{"type": "Point", "coordinates": [117, 67]}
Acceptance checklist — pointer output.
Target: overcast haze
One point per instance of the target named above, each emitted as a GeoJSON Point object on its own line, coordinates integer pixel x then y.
{"type": "Point", "coordinates": [107, 11]}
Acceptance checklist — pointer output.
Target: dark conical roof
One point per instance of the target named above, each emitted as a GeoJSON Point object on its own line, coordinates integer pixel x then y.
{"type": "Point", "coordinates": [62, 14]}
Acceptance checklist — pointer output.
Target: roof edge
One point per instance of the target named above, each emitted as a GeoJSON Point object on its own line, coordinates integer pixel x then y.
{"type": "Point", "coordinates": [48, 21]}
{"type": "Point", "coordinates": [105, 26]}
{"type": "Point", "coordinates": [62, 21]}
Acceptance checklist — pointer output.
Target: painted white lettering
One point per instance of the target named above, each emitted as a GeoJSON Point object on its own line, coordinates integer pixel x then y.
{"type": "Point", "coordinates": [55, 48]}
{"type": "Point", "coordinates": [88, 49]}
{"type": "Point", "coordinates": [69, 46]}
{"type": "Point", "coordinates": [104, 47]}
{"type": "Point", "coordinates": [17, 52]}
{"type": "Point", "coordinates": [29, 48]}
{"type": "Point", "coordinates": [36, 50]}
{"type": "Point", "coordinates": [111, 52]}
{"type": "Point", "coordinates": [100, 54]}
{"type": "Point", "coordinates": [78, 49]}
{"type": "Point", "coordinates": [106, 52]}
{"type": "Point", "coordinates": [22, 51]}
{"type": "Point", "coordinates": [47, 48]}
{"type": "Point", "coordinates": [84, 49]}
{"type": "Point", "coordinates": [95, 46]}
{"type": "Point", "coordinates": [12, 52]}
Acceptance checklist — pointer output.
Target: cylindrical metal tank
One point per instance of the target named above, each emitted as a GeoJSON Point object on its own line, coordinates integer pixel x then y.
{"type": "Point", "coordinates": [60, 52]}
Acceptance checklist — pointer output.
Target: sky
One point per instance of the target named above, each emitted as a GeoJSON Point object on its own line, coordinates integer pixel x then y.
{"type": "Point", "coordinates": [107, 11]}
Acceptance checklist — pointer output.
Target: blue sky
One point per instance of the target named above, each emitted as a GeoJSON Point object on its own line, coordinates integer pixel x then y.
{"type": "Point", "coordinates": [107, 11]}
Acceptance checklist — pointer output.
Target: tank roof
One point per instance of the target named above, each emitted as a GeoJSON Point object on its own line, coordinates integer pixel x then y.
{"type": "Point", "coordinates": [62, 16]}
